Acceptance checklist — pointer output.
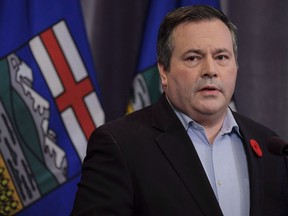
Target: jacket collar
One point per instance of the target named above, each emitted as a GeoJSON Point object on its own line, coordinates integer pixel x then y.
{"type": "Point", "coordinates": [180, 152]}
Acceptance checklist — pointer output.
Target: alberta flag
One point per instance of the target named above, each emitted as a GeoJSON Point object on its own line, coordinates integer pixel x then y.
{"type": "Point", "coordinates": [146, 87]}
{"type": "Point", "coordinates": [49, 105]}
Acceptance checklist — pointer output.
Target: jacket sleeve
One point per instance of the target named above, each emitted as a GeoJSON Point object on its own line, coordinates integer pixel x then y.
{"type": "Point", "coordinates": [105, 186]}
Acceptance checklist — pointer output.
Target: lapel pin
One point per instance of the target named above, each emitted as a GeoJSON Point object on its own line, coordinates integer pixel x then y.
{"type": "Point", "coordinates": [255, 146]}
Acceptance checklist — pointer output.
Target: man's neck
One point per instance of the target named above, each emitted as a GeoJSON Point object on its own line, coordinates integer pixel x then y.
{"type": "Point", "coordinates": [212, 125]}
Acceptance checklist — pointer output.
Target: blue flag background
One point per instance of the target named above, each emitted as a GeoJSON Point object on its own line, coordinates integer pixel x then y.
{"type": "Point", "coordinates": [49, 105]}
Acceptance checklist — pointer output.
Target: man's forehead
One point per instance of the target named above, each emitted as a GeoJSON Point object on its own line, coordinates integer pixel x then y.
{"type": "Point", "coordinates": [205, 26]}
{"type": "Point", "coordinates": [203, 32]}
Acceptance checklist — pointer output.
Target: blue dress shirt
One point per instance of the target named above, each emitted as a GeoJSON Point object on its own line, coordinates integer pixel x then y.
{"type": "Point", "coordinates": [224, 162]}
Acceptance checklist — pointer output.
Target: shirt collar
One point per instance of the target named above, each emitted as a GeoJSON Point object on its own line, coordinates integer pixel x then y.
{"type": "Point", "coordinates": [228, 125]}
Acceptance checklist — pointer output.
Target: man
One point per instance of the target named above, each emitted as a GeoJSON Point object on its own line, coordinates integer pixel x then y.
{"type": "Point", "coordinates": [188, 154]}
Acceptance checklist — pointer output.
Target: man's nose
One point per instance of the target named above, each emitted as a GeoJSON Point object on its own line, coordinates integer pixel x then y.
{"type": "Point", "coordinates": [209, 68]}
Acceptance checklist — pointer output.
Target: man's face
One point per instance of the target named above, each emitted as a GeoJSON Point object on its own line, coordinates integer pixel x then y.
{"type": "Point", "coordinates": [203, 69]}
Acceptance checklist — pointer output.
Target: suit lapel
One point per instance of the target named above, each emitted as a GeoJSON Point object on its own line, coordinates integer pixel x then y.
{"type": "Point", "coordinates": [180, 152]}
{"type": "Point", "coordinates": [255, 169]}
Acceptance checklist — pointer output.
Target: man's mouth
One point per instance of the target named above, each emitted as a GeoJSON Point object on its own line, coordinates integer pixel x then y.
{"type": "Point", "coordinates": [209, 90]}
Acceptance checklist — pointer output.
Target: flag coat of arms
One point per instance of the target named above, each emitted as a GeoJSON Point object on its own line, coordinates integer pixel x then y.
{"type": "Point", "coordinates": [49, 105]}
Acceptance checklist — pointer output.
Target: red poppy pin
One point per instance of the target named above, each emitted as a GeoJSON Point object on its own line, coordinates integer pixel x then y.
{"type": "Point", "coordinates": [255, 146]}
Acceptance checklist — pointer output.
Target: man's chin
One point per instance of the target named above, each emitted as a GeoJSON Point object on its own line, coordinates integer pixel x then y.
{"type": "Point", "coordinates": [212, 110]}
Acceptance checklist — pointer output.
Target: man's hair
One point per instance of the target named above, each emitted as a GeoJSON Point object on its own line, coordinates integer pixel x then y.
{"type": "Point", "coordinates": [188, 14]}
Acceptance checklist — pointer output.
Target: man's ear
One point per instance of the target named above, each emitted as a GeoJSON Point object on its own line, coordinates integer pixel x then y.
{"type": "Point", "coordinates": [163, 75]}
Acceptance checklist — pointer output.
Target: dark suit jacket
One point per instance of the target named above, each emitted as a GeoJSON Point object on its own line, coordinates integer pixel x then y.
{"type": "Point", "coordinates": [145, 164]}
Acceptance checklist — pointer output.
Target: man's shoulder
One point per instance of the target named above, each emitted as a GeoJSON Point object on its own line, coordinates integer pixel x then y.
{"type": "Point", "coordinates": [129, 123]}
{"type": "Point", "coordinates": [158, 113]}
{"type": "Point", "coordinates": [139, 115]}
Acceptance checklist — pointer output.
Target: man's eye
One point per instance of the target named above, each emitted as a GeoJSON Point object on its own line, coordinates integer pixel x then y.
{"type": "Point", "coordinates": [192, 58]}
{"type": "Point", "coordinates": [222, 57]}
{"type": "Point", "coordinates": [191, 61]}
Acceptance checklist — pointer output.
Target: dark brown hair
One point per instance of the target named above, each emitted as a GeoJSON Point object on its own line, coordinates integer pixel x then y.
{"type": "Point", "coordinates": [188, 14]}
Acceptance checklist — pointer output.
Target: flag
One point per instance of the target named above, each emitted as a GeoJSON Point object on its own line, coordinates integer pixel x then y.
{"type": "Point", "coordinates": [146, 86]}
{"type": "Point", "coordinates": [49, 105]}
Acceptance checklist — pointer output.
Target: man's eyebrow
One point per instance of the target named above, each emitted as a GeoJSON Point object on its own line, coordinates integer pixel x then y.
{"type": "Point", "coordinates": [202, 52]}
{"type": "Point", "coordinates": [221, 50]}
{"type": "Point", "coordinates": [197, 51]}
